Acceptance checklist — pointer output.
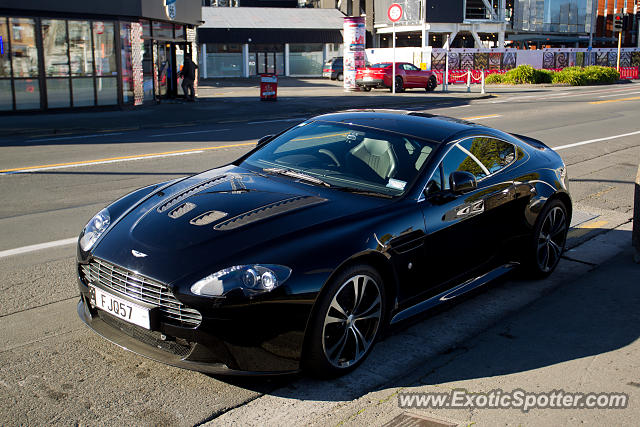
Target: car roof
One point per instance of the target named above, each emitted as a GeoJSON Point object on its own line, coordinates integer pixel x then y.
{"type": "Point", "coordinates": [420, 125]}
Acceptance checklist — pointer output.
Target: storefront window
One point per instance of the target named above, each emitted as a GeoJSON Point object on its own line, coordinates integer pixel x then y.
{"type": "Point", "coordinates": [80, 48]}
{"type": "Point", "coordinates": [162, 30]}
{"type": "Point", "coordinates": [127, 65]}
{"type": "Point", "coordinates": [5, 61]}
{"type": "Point", "coordinates": [224, 60]}
{"type": "Point", "coordinates": [54, 42]}
{"type": "Point", "coordinates": [24, 53]}
{"type": "Point", "coordinates": [82, 91]}
{"type": "Point", "coordinates": [305, 59]}
{"type": "Point", "coordinates": [107, 89]}
{"type": "Point", "coordinates": [147, 71]}
{"type": "Point", "coordinates": [27, 94]}
{"type": "Point", "coordinates": [180, 32]}
{"type": "Point", "coordinates": [104, 48]}
{"type": "Point", "coordinates": [58, 93]}
{"type": "Point", "coordinates": [6, 97]}
{"type": "Point", "coordinates": [146, 28]}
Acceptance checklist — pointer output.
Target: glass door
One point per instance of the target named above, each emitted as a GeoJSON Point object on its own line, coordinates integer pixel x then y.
{"type": "Point", "coordinates": [163, 65]}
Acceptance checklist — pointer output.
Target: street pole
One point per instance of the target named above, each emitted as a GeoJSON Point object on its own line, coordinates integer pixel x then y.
{"type": "Point", "coordinates": [393, 64]}
{"type": "Point", "coordinates": [445, 80]}
{"type": "Point", "coordinates": [619, 46]}
{"type": "Point", "coordinates": [635, 234]}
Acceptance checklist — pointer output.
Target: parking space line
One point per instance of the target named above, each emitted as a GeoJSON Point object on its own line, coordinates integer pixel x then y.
{"type": "Point", "coordinates": [591, 141]}
{"type": "Point", "coordinates": [39, 246]}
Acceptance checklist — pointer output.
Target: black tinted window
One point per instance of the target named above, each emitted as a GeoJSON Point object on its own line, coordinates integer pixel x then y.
{"type": "Point", "coordinates": [493, 153]}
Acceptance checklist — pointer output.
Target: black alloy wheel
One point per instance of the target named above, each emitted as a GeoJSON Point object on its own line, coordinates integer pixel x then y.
{"type": "Point", "coordinates": [549, 238]}
{"type": "Point", "coordinates": [347, 322]}
{"type": "Point", "coordinates": [399, 85]}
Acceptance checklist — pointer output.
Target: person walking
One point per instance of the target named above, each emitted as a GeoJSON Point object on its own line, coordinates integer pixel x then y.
{"type": "Point", "coordinates": [188, 74]}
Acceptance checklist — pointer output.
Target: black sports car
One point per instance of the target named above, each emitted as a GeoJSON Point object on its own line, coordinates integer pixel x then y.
{"type": "Point", "coordinates": [301, 252]}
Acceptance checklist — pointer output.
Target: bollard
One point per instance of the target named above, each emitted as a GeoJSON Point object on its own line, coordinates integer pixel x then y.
{"type": "Point", "coordinates": [468, 81]}
{"type": "Point", "coordinates": [482, 80]}
{"type": "Point", "coordinates": [635, 234]}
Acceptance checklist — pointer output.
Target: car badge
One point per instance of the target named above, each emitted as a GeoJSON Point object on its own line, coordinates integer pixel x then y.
{"type": "Point", "coordinates": [138, 254]}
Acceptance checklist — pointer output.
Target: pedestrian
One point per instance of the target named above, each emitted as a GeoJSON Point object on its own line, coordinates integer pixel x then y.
{"type": "Point", "coordinates": [188, 74]}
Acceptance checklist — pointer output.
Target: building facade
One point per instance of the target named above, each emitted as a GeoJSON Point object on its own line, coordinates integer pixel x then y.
{"type": "Point", "coordinates": [249, 41]}
{"type": "Point", "coordinates": [90, 53]}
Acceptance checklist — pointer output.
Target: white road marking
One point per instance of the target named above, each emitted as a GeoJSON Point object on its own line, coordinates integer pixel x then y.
{"type": "Point", "coordinates": [39, 246]}
{"type": "Point", "coordinates": [75, 137]}
{"type": "Point", "coordinates": [101, 162]}
{"type": "Point", "coordinates": [190, 132]}
{"type": "Point", "coordinates": [591, 141]}
{"type": "Point", "coordinates": [617, 94]}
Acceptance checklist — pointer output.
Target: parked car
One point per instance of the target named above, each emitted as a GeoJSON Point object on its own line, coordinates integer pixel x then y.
{"type": "Point", "coordinates": [300, 253]}
{"type": "Point", "coordinates": [406, 76]}
{"type": "Point", "coordinates": [333, 69]}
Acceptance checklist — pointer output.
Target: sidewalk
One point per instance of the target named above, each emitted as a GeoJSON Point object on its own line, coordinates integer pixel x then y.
{"type": "Point", "coordinates": [225, 101]}
{"type": "Point", "coordinates": [576, 331]}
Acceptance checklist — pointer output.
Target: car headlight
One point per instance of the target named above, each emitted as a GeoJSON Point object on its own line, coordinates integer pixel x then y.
{"type": "Point", "coordinates": [248, 279]}
{"type": "Point", "coordinates": [94, 229]}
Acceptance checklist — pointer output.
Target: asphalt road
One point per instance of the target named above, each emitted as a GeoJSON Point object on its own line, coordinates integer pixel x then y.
{"type": "Point", "coordinates": [54, 370]}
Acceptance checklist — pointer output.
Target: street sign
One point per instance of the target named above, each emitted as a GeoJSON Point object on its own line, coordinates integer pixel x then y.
{"type": "Point", "coordinates": [395, 12]}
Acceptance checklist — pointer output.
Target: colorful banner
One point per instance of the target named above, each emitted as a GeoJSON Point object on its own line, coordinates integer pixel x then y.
{"type": "Point", "coordinates": [354, 44]}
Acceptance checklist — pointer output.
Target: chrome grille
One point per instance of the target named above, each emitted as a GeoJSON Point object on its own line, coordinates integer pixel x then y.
{"type": "Point", "coordinates": [143, 289]}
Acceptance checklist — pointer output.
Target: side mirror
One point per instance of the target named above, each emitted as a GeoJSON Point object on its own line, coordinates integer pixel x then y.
{"type": "Point", "coordinates": [462, 182]}
{"type": "Point", "coordinates": [264, 140]}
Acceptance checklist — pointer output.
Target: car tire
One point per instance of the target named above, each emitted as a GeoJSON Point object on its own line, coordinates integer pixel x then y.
{"type": "Point", "coordinates": [339, 77]}
{"type": "Point", "coordinates": [431, 84]}
{"type": "Point", "coordinates": [548, 240]}
{"type": "Point", "coordinates": [366, 88]}
{"type": "Point", "coordinates": [347, 321]}
{"type": "Point", "coordinates": [399, 85]}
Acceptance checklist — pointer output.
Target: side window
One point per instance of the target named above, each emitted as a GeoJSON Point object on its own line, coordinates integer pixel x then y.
{"type": "Point", "coordinates": [457, 160]}
{"type": "Point", "coordinates": [435, 183]}
{"type": "Point", "coordinates": [493, 153]}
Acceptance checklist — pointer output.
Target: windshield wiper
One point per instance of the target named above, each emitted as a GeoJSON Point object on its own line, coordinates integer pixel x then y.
{"type": "Point", "coordinates": [354, 190]}
{"type": "Point", "coordinates": [300, 175]}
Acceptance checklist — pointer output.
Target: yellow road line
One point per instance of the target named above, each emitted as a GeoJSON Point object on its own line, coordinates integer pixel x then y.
{"type": "Point", "coordinates": [481, 117]}
{"type": "Point", "coordinates": [136, 156]}
{"type": "Point", "coordinates": [593, 224]}
{"type": "Point", "coordinates": [635, 98]}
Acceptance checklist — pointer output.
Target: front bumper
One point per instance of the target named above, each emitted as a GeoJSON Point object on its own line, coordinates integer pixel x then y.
{"type": "Point", "coordinates": [232, 348]}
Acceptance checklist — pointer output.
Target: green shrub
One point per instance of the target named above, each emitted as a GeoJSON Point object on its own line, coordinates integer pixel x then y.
{"type": "Point", "coordinates": [494, 78]}
{"type": "Point", "coordinates": [592, 75]}
{"type": "Point", "coordinates": [543, 76]}
{"type": "Point", "coordinates": [521, 74]}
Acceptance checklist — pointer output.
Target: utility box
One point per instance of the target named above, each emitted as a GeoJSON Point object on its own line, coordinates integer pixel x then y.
{"type": "Point", "coordinates": [268, 87]}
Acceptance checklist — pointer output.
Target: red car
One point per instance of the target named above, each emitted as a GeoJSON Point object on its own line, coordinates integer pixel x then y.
{"type": "Point", "coordinates": [406, 76]}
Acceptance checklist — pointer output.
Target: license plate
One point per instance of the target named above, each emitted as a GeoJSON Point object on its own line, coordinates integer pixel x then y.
{"type": "Point", "coordinates": [368, 79]}
{"type": "Point", "coordinates": [122, 308]}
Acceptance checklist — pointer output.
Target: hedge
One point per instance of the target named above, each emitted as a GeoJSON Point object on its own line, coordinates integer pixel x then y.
{"type": "Point", "coordinates": [575, 76]}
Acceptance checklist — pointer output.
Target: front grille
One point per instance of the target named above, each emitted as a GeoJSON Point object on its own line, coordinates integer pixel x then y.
{"type": "Point", "coordinates": [143, 289]}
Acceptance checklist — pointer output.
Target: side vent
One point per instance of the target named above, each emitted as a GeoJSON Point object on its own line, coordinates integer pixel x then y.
{"type": "Point", "coordinates": [207, 218]}
{"type": "Point", "coordinates": [268, 211]}
{"type": "Point", "coordinates": [181, 210]}
{"type": "Point", "coordinates": [189, 192]}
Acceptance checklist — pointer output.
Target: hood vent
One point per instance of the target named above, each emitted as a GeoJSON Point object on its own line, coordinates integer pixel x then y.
{"type": "Point", "coordinates": [208, 218]}
{"type": "Point", "coordinates": [268, 211]}
{"type": "Point", "coordinates": [190, 192]}
{"type": "Point", "coordinates": [181, 210]}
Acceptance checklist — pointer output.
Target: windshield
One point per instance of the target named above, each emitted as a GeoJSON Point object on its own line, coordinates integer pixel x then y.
{"type": "Point", "coordinates": [381, 65]}
{"type": "Point", "coordinates": [345, 156]}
